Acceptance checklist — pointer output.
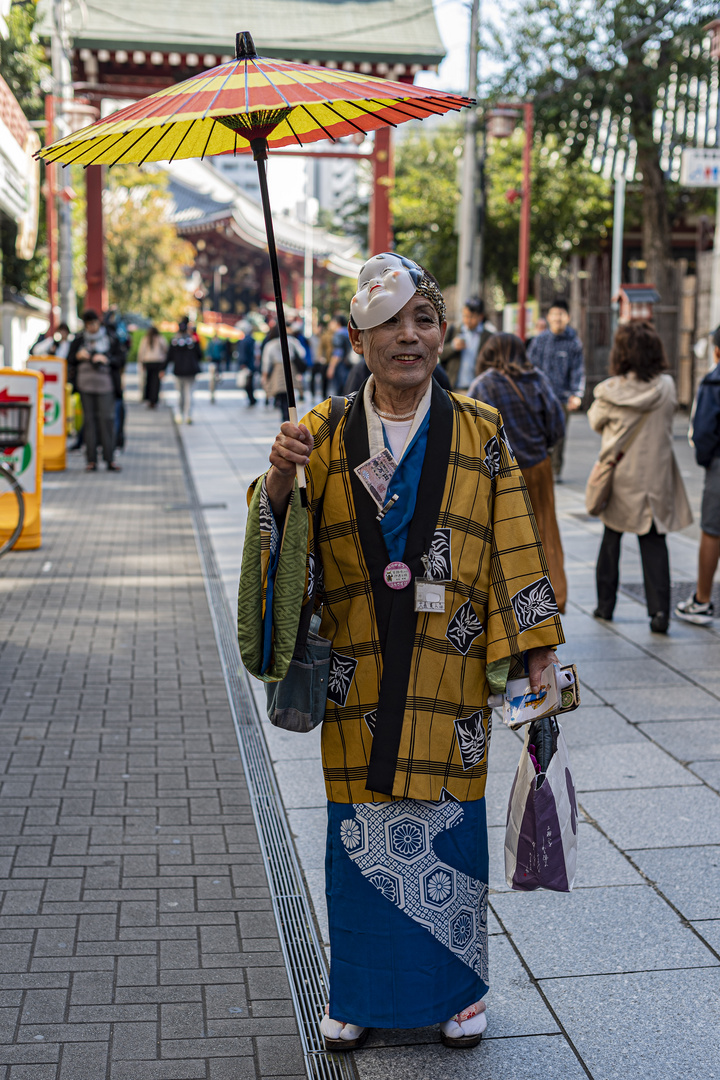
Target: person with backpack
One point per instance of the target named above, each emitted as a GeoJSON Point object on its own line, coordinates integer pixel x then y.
{"type": "Point", "coordinates": [534, 423]}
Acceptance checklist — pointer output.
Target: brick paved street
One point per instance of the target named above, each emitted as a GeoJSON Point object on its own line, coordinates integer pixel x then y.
{"type": "Point", "coordinates": [137, 933]}
{"type": "Point", "coordinates": [137, 938]}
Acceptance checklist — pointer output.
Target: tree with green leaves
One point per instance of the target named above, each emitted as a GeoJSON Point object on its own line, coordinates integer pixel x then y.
{"type": "Point", "coordinates": [25, 70]}
{"type": "Point", "coordinates": [146, 259]}
{"type": "Point", "coordinates": [425, 197]}
{"type": "Point", "coordinates": [22, 59]}
{"type": "Point", "coordinates": [571, 211]}
{"type": "Point", "coordinates": [580, 58]}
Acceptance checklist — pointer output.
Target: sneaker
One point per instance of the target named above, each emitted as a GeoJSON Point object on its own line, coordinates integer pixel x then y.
{"type": "Point", "coordinates": [691, 610]}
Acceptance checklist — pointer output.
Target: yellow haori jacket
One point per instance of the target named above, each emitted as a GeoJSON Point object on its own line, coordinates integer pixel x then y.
{"type": "Point", "coordinates": [407, 713]}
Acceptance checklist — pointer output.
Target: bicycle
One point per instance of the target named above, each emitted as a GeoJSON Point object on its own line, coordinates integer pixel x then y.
{"type": "Point", "coordinates": [14, 426]}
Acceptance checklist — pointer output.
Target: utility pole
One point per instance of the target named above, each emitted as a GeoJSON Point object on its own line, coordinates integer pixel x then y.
{"type": "Point", "coordinates": [617, 242]}
{"type": "Point", "coordinates": [62, 93]}
{"type": "Point", "coordinates": [467, 248]}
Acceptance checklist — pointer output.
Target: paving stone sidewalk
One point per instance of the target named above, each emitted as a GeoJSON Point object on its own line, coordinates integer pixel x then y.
{"type": "Point", "coordinates": [137, 938]}
{"type": "Point", "coordinates": [621, 978]}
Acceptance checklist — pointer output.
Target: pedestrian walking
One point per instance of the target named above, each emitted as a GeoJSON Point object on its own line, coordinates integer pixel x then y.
{"type": "Point", "coordinates": [95, 356]}
{"type": "Point", "coordinates": [218, 352]}
{"type": "Point", "coordinates": [245, 352]}
{"type": "Point", "coordinates": [407, 724]}
{"type": "Point", "coordinates": [153, 355]}
{"type": "Point", "coordinates": [271, 367]}
{"type": "Point", "coordinates": [114, 322]}
{"type": "Point", "coordinates": [558, 352]}
{"type": "Point", "coordinates": [633, 410]}
{"type": "Point", "coordinates": [534, 422]}
{"type": "Point", "coordinates": [705, 437]}
{"type": "Point", "coordinates": [341, 356]}
{"type": "Point", "coordinates": [184, 355]}
{"type": "Point", "coordinates": [323, 355]}
{"type": "Point", "coordinates": [460, 355]}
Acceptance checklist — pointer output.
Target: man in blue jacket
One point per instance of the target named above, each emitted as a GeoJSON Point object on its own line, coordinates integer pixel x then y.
{"type": "Point", "coordinates": [705, 436]}
{"type": "Point", "coordinates": [558, 352]}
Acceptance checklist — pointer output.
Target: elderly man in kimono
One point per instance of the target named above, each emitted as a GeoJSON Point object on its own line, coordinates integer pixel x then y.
{"type": "Point", "coordinates": [435, 588]}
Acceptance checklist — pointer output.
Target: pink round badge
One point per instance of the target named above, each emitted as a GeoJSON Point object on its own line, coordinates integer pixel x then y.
{"type": "Point", "coordinates": [397, 575]}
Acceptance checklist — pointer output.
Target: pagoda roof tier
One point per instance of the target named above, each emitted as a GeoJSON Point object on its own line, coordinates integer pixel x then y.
{"type": "Point", "coordinates": [204, 200]}
{"type": "Point", "coordinates": [332, 32]}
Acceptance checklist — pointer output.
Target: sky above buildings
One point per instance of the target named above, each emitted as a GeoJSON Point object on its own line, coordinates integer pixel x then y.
{"type": "Point", "coordinates": [286, 177]}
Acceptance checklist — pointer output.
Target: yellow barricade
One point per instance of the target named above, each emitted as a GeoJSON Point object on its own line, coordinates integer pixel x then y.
{"type": "Point", "coordinates": [54, 370]}
{"type": "Point", "coordinates": [24, 386]}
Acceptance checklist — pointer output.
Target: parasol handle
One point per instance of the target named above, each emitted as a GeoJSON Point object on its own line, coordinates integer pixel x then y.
{"type": "Point", "coordinates": [260, 152]}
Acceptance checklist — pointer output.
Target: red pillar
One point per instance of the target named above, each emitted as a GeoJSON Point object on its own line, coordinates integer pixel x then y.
{"type": "Point", "coordinates": [96, 294]}
{"type": "Point", "coordinates": [50, 210]}
{"type": "Point", "coordinates": [381, 234]}
{"type": "Point", "coordinates": [524, 258]}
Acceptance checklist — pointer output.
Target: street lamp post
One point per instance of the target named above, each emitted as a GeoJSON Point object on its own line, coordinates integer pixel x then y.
{"type": "Point", "coordinates": [524, 256]}
{"type": "Point", "coordinates": [466, 276]}
{"type": "Point", "coordinates": [501, 123]}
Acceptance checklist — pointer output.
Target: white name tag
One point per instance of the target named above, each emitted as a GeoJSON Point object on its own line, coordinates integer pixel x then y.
{"type": "Point", "coordinates": [429, 595]}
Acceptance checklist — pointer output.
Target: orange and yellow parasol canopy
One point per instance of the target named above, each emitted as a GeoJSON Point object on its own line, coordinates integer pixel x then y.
{"type": "Point", "coordinates": [220, 110]}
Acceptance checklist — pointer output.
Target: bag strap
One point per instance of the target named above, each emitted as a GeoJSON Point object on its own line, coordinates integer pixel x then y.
{"type": "Point", "coordinates": [337, 410]}
{"type": "Point", "coordinates": [516, 388]}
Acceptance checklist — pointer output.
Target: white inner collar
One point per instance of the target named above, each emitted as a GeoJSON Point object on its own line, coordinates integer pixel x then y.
{"type": "Point", "coordinates": [376, 438]}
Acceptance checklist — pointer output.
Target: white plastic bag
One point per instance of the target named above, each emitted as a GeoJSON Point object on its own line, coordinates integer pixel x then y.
{"type": "Point", "coordinates": [541, 830]}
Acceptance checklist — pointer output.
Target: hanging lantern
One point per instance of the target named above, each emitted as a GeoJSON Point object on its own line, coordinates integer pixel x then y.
{"type": "Point", "coordinates": [501, 122]}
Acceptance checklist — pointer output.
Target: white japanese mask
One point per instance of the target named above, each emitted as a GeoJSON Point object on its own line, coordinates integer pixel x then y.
{"type": "Point", "coordinates": [385, 284]}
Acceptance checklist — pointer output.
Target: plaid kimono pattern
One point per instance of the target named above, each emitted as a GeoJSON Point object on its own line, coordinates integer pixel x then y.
{"type": "Point", "coordinates": [484, 543]}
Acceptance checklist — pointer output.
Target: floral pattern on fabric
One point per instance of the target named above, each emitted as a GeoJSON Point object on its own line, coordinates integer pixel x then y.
{"type": "Point", "coordinates": [342, 673]}
{"type": "Point", "coordinates": [392, 846]}
{"type": "Point", "coordinates": [370, 719]}
{"type": "Point", "coordinates": [492, 457]}
{"type": "Point", "coordinates": [472, 739]}
{"type": "Point", "coordinates": [502, 435]}
{"type": "Point", "coordinates": [534, 604]}
{"type": "Point", "coordinates": [440, 556]}
{"type": "Point", "coordinates": [464, 628]}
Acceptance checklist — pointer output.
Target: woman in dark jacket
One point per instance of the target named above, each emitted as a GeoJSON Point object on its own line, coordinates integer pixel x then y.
{"type": "Point", "coordinates": [534, 422]}
{"type": "Point", "coordinates": [95, 357]}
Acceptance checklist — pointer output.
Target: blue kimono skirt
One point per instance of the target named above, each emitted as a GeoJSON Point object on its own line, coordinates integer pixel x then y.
{"type": "Point", "coordinates": [406, 885]}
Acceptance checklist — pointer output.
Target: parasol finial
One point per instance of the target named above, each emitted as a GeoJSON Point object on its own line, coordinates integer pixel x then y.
{"type": "Point", "coordinates": [244, 46]}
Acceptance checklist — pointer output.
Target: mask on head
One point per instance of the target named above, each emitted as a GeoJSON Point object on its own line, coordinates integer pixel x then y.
{"type": "Point", "coordinates": [385, 284]}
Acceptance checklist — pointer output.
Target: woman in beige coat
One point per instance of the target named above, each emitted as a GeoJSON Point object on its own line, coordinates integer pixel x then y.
{"type": "Point", "coordinates": [648, 496]}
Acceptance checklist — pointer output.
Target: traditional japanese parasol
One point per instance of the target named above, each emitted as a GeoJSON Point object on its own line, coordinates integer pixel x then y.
{"type": "Point", "coordinates": [249, 105]}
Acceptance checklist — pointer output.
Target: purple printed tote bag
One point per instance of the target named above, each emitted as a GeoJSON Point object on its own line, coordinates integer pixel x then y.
{"type": "Point", "coordinates": [541, 830]}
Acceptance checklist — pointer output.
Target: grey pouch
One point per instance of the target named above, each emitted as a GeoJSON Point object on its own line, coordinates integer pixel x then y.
{"type": "Point", "coordinates": [297, 703]}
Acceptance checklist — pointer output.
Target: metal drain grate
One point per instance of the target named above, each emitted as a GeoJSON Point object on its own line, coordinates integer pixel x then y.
{"type": "Point", "coordinates": [303, 954]}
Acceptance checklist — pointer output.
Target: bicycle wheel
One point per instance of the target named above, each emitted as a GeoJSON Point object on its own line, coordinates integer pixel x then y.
{"type": "Point", "coordinates": [7, 478]}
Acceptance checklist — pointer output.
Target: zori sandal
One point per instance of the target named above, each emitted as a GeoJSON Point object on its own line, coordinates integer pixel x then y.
{"type": "Point", "coordinates": [339, 1036]}
{"type": "Point", "coordinates": [465, 1029]}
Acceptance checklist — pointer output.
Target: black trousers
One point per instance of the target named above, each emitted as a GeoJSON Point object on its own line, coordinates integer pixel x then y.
{"type": "Point", "coordinates": [99, 424]}
{"type": "Point", "coordinates": [656, 571]}
{"type": "Point", "coordinates": [152, 383]}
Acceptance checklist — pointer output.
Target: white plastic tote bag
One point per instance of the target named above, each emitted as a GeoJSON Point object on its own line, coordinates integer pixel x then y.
{"type": "Point", "coordinates": [541, 831]}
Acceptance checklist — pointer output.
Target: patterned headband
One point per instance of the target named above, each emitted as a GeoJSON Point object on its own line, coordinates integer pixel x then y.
{"type": "Point", "coordinates": [427, 288]}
